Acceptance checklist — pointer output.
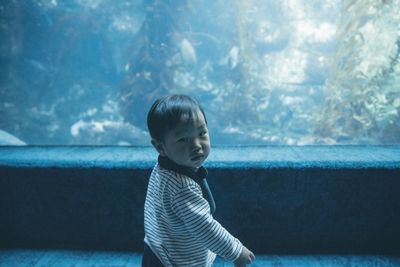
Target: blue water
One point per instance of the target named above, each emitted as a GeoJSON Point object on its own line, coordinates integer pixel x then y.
{"type": "Point", "coordinates": [266, 72]}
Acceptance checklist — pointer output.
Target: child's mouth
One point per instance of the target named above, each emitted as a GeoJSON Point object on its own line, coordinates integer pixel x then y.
{"type": "Point", "coordinates": [197, 157]}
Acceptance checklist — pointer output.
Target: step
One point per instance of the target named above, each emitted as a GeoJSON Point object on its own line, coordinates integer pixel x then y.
{"type": "Point", "coordinates": [64, 258]}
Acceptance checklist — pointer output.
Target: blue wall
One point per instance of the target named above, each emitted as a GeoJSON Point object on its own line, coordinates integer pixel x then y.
{"type": "Point", "coordinates": [277, 201]}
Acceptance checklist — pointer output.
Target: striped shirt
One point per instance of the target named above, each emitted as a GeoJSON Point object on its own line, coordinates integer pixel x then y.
{"type": "Point", "coordinates": [178, 224]}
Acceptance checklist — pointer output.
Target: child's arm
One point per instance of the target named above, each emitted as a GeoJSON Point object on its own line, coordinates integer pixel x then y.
{"type": "Point", "coordinates": [194, 211]}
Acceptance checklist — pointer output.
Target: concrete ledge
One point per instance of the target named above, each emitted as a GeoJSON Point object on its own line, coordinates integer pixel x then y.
{"type": "Point", "coordinates": [354, 157]}
{"type": "Point", "coordinates": [277, 200]}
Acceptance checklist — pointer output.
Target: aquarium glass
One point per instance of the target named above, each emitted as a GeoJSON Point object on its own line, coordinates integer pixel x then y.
{"type": "Point", "coordinates": [267, 72]}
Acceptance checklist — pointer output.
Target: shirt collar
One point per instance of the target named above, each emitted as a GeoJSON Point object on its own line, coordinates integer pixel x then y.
{"type": "Point", "coordinates": [197, 175]}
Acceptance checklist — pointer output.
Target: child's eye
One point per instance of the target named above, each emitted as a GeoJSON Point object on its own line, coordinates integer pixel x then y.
{"type": "Point", "coordinates": [203, 133]}
{"type": "Point", "coordinates": [183, 140]}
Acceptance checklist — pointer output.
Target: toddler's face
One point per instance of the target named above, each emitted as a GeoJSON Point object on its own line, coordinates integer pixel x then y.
{"type": "Point", "coordinates": [188, 144]}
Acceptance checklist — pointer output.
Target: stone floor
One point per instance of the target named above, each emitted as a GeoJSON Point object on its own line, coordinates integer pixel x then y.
{"type": "Point", "coordinates": [60, 258]}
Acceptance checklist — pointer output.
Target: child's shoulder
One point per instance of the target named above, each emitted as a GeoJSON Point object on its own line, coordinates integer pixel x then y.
{"type": "Point", "coordinates": [175, 179]}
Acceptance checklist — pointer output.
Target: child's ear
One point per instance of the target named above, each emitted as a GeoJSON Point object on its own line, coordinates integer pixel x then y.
{"type": "Point", "coordinates": [158, 146]}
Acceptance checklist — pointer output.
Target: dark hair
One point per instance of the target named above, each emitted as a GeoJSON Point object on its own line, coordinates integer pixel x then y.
{"type": "Point", "coordinates": [167, 112]}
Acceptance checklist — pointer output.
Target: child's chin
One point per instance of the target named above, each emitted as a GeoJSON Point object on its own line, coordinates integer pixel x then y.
{"type": "Point", "coordinates": [197, 163]}
{"type": "Point", "coordinates": [196, 166]}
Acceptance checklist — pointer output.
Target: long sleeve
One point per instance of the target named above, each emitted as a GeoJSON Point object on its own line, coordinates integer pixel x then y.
{"type": "Point", "coordinates": [194, 211]}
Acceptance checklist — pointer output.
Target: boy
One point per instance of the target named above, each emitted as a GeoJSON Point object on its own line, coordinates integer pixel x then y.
{"type": "Point", "coordinates": [179, 227]}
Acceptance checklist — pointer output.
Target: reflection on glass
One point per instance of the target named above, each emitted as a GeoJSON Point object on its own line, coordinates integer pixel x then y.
{"type": "Point", "coordinates": [291, 72]}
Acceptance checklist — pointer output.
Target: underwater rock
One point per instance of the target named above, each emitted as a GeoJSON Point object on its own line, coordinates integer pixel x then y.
{"type": "Point", "coordinates": [107, 132]}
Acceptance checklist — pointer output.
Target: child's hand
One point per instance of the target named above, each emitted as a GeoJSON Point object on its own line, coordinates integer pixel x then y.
{"type": "Point", "coordinates": [245, 257]}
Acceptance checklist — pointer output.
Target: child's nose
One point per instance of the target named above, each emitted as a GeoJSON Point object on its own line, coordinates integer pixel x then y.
{"type": "Point", "coordinates": [196, 144]}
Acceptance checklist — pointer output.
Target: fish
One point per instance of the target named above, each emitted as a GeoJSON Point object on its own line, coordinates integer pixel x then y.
{"type": "Point", "coordinates": [35, 64]}
{"type": "Point", "coordinates": [232, 58]}
{"type": "Point", "coordinates": [7, 139]}
{"type": "Point", "coordinates": [187, 52]}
